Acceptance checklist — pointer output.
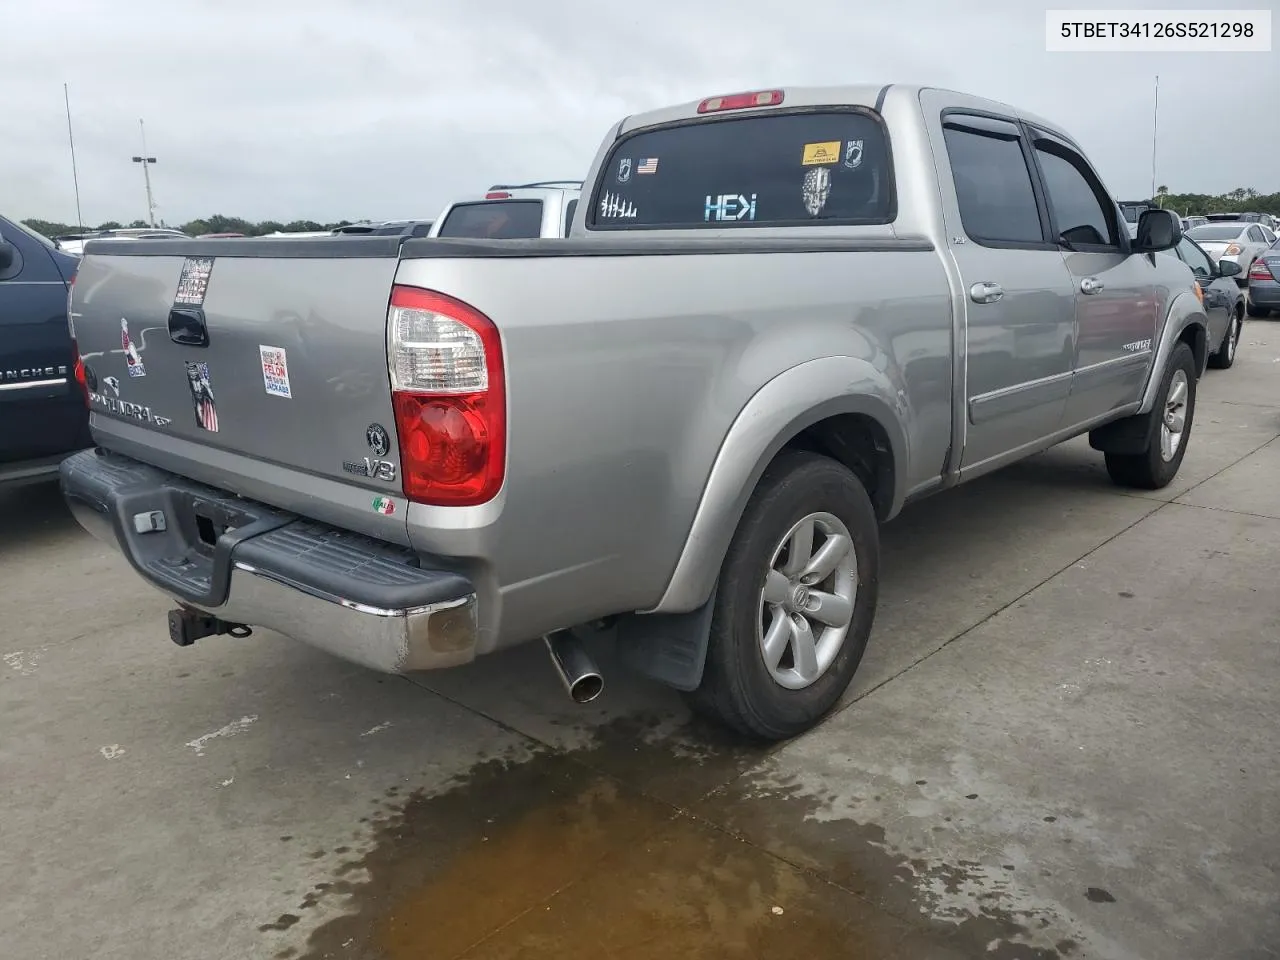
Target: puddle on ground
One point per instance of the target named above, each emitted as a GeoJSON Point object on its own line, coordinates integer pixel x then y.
{"type": "Point", "coordinates": [550, 857]}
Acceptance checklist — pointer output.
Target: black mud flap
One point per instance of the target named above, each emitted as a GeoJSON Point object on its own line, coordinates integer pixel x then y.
{"type": "Point", "coordinates": [669, 648]}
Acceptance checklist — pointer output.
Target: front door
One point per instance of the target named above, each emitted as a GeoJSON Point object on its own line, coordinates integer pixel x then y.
{"type": "Point", "coordinates": [1116, 295]}
{"type": "Point", "coordinates": [1019, 303]}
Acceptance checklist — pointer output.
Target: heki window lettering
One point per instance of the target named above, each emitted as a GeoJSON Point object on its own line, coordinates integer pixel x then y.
{"type": "Point", "coordinates": [730, 206]}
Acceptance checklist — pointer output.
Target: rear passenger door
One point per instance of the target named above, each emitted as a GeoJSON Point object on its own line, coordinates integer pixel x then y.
{"type": "Point", "coordinates": [1116, 302]}
{"type": "Point", "coordinates": [1019, 303]}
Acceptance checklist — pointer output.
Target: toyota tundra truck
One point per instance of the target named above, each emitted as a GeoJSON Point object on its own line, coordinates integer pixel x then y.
{"type": "Point", "coordinates": [779, 317]}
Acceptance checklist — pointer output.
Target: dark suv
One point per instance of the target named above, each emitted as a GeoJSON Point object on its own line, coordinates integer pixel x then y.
{"type": "Point", "coordinates": [43, 416]}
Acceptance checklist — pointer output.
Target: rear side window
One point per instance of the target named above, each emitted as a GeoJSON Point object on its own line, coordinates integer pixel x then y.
{"type": "Point", "coordinates": [494, 220]}
{"type": "Point", "coordinates": [993, 186]}
{"type": "Point", "coordinates": [779, 169]}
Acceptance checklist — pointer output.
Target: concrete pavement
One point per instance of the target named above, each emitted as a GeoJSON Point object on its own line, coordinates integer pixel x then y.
{"type": "Point", "coordinates": [1061, 743]}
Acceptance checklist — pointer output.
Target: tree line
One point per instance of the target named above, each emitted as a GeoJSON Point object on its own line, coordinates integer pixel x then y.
{"type": "Point", "coordinates": [214, 224]}
{"type": "Point", "coordinates": [1239, 200]}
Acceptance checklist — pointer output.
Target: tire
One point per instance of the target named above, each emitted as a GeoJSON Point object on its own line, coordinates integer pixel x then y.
{"type": "Point", "coordinates": [1257, 311]}
{"type": "Point", "coordinates": [739, 689]}
{"type": "Point", "coordinates": [1154, 467]}
{"type": "Point", "coordinates": [1226, 354]}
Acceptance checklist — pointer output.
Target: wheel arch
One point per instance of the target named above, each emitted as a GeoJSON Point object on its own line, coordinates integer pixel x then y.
{"type": "Point", "coordinates": [842, 407]}
{"type": "Point", "coordinates": [1186, 323]}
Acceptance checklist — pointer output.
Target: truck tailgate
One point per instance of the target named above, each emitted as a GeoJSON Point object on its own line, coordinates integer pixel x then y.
{"type": "Point", "coordinates": [270, 351]}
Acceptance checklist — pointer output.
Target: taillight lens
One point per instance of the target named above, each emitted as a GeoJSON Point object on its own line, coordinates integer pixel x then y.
{"type": "Point", "coordinates": [1232, 250]}
{"type": "Point", "coordinates": [449, 394]}
{"type": "Point", "coordinates": [1261, 271]}
{"type": "Point", "coordinates": [79, 373]}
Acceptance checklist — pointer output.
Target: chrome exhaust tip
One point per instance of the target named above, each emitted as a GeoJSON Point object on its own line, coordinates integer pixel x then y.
{"type": "Point", "coordinates": [574, 665]}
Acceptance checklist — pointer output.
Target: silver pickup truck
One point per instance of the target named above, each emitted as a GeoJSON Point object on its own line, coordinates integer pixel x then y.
{"type": "Point", "coordinates": [779, 317]}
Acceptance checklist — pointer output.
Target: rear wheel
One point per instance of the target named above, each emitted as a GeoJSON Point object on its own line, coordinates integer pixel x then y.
{"type": "Point", "coordinates": [1168, 429]}
{"type": "Point", "coordinates": [1226, 354]}
{"type": "Point", "coordinates": [795, 600]}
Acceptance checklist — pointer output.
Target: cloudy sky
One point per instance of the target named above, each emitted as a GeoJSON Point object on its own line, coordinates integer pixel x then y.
{"type": "Point", "coordinates": [329, 109]}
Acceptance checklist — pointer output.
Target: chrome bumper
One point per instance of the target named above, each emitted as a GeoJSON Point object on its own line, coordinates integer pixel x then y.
{"type": "Point", "coordinates": [356, 598]}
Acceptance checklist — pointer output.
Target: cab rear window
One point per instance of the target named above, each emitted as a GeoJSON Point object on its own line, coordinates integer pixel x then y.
{"type": "Point", "coordinates": [494, 220]}
{"type": "Point", "coordinates": [779, 169]}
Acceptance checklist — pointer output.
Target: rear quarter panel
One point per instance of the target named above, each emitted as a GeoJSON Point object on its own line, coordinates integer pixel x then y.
{"type": "Point", "coordinates": [625, 374]}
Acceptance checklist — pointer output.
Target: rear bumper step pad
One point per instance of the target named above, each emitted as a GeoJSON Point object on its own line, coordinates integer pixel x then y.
{"type": "Point", "coordinates": [370, 602]}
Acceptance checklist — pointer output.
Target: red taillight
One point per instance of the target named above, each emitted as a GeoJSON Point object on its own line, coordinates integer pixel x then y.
{"type": "Point", "coordinates": [449, 394]}
{"type": "Point", "coordinates": [79, 372]}
{"type": "Point", "coordinates": [497, 195]}
{"type": "Point", "coordinates": [741, 101]}
{"type": "Point", "coordinates": [1261, 271]}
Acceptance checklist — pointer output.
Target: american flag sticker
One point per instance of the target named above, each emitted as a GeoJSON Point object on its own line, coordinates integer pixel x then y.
{"type": "Point", "coordinates": [649, 165]}
{"type": "Point", "coordinates": [202, 395]}
{"type": "Point", "coordinates": [275, 371]}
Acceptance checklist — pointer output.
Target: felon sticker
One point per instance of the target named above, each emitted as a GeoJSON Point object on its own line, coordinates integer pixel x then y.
{"type": "Point", "coordinates": [819, 153]}
{"type": "Point", "coordinates": [132, 359]}
{"type": "Point", "coordinates": [275, 371]}
{"type": "Point", "coordinates": [729, 206]}
{"type": "Point", "coordinates": [202, 395]}
{"type": "Point", "coordinates": [384, 505]}
{"type": "Point", "coordinates": [193, 282]}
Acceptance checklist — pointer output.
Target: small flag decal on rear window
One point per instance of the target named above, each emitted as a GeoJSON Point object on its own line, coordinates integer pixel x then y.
{"type": "Point", "coordinates": [648, 166]}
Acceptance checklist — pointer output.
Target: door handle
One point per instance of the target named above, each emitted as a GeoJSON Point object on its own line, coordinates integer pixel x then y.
{"type": "Point", "coordinates": [985, 292]}
{"type": "Point", "coordinates": [187, 326]}
{"type": "Point", "coordinates": [1090, 286]}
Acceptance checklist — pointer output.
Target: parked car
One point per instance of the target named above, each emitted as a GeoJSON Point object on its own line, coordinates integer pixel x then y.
{"type": "Point", "coordinates": [1265, 219]}
{"type": "Point", "coordinates": [1193, 221]}
{"type": "Point", "coordinates": [1264, 282]}
{"type": "Point", "coordinates": [74, 243]}
{"type": "Point", "coordinates": [1233, 240]}
{"type": "Point", "coordinates": [1132, 210]}
{"type": "Point", "coordinates": [218, 236]}
{"type": "Point", "coordinates": [42, 406]}
{"type": "Point", "coordinates": [406, 229]}
{"type": "Point", "coordinates": [513, 212]}
{"type": "Point", "coordinates": [1222, 297]}
{"type": "Point", "coordinates": [686, 419]}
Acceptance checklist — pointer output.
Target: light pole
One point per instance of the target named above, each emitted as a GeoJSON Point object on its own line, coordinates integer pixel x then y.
{"type": "Point", "coordinates": [146, 174]}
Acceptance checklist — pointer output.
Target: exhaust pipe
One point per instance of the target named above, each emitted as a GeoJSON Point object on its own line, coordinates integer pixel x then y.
{"type": "Point", "coordinates": [577, 670]}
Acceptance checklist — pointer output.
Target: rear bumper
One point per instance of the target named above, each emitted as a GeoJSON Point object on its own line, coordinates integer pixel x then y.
{"type": "Point", "coordinates": [1264, 294]}
{"type": "Point", "coordinates": [366, 601]}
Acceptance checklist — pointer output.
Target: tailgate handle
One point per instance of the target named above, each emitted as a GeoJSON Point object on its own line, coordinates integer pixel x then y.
{"type": "Point", "coordinates": [187, 326]}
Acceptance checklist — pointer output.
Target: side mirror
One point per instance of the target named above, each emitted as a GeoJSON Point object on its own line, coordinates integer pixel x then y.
{"type": "Point", "coordinates": [1229, 268]}
{"type": "Point", "coordinates": [6, 255]}
{"type": "Point", "coordinates": [1157, 230]}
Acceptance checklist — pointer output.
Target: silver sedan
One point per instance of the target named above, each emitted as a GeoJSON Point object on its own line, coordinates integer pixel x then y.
{"type": "Point", "coordinates": [1233, 240]}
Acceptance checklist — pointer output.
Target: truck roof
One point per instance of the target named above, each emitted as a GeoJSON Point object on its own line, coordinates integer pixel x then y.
{"type": "Point", "coordinates": [863, 94]}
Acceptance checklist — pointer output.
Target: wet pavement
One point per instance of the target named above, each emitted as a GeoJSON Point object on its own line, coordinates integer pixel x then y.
{"type": "Point", "coordinates": [1062, 743]}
